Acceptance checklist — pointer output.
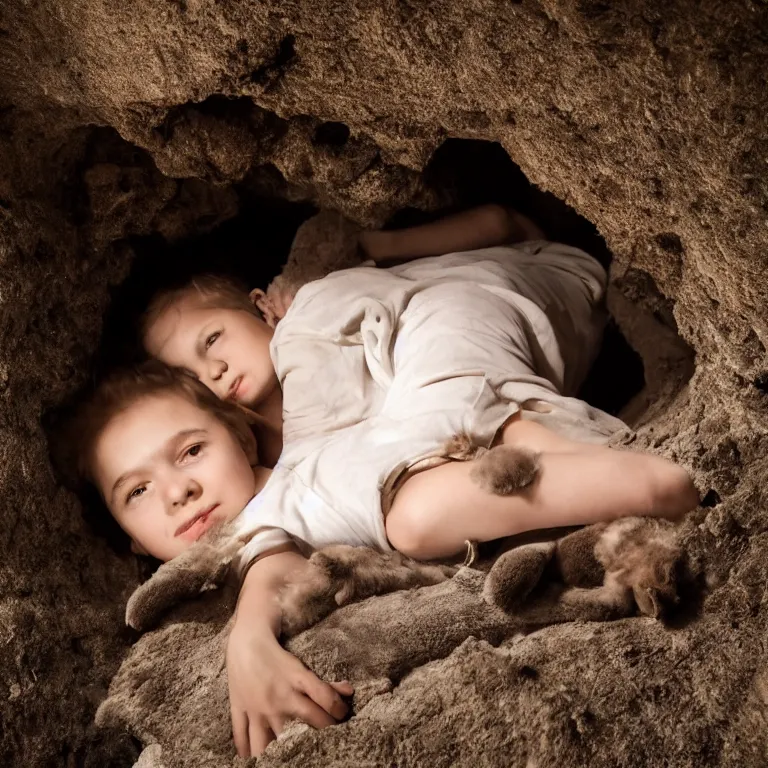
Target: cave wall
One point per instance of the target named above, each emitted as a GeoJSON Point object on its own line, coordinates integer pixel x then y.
{"type": "Point", "coordinates": [122, 119]}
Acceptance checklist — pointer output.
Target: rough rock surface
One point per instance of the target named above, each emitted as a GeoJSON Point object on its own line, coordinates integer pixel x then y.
{"type": "Point", "coordinates": [126, 119]}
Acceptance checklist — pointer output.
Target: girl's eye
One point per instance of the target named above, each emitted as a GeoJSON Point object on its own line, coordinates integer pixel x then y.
{"type": "Point", "coordinates": [136, 493]}
{"type": "Point", "coordinates": [193, 450]}
{"type": "Point", "coordinates": [210, 341]}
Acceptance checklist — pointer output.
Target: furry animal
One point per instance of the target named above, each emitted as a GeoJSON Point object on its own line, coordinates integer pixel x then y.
{"type": "Point", "coordinates": [335, 576]}
{"type": "Point", "coordinates": [633, 561]}
{"type": "Point", "coordinates": [600, 571]}
{"type": "Point", "coordinates": [502, 470]}
{"type": "Point", "coordinates": [341, 574]}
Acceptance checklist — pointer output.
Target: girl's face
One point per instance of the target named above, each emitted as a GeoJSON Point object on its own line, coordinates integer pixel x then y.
{"type": "Point", "coordinates": [169, 470]}
{"type": "Point", "coordinates": [227, 349]}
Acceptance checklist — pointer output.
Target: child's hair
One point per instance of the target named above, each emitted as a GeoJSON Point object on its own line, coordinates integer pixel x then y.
{"type": "Point", "coordinates": [124, 388]}
{"type": "Point", "coordinates": [214, 292]}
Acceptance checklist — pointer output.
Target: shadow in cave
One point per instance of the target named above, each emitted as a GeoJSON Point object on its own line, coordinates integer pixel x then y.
{"type": "Point", "coordinates": [251, 248]}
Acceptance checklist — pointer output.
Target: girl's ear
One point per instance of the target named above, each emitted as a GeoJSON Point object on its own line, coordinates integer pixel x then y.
{"type": "Point", "coordinates": [264, 305]}
{"type": "Point", "coordinates": [137, 549]}
{"type": "Point", "coordinates": [256, 296]}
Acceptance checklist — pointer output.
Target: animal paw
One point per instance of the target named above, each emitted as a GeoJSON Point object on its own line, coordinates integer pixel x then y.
{"type": "Point", "coordinates": [341, 574]}
{"type": "Point", "coordinates": [642, 554]}
{"type": "Point", "coordinates": [515, 574]}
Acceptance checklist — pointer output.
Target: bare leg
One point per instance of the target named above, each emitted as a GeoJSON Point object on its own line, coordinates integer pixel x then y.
{"type": "Point", "coordinates": [437, 510]}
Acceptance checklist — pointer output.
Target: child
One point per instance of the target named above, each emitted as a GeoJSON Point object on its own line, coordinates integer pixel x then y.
{"type": "Point", "coordinates": [379, 368]}
{"type": "Point", "coordinates": [171, 460]}
{"type": "Point", "coordinates": [241, 371]}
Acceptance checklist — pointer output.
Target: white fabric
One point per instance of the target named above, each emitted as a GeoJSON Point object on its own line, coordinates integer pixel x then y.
{"type": "Point", "coordinates": [380, 368]}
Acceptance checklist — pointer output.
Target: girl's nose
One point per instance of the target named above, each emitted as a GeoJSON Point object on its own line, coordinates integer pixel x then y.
{"type": "Point", "coordinates": [217, 368]}
{"type": "Point", "coordinates": [184, 490]}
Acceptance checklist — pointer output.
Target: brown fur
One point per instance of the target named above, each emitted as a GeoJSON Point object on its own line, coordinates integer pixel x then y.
{"type": "Point", "coordinates": [605, 568]}
{"type": "Point", "coordinates": [335, 576]}
{"type": "Point", "coordinates": [376, 643]}
{"type": "Point", "coordinates": [203, 566]}
{"type": "Point", "coordinates": [640, 558]}
{"type": "Point", "coordinates": [341, 574]}
{"type": "Point", "coordinates": [502, 470]}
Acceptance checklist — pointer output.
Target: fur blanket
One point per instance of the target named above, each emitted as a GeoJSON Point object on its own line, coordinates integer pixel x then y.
{"type": "Point", "coordinates": [171, 692]}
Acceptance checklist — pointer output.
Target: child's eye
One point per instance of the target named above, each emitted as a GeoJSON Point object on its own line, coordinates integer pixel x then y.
{"type": "Point", "coordinates": [212, 339]}
{"type": "Point", "coordinates": [192, 451]}
{"type": "Point", "coordinates": [136, 493]}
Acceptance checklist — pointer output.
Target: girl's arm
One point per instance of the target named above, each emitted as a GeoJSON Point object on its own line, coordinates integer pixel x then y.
{"type": "Point", "coordinates": [481, 227]}
{"type": "Point", "coordinates": [267, 684]}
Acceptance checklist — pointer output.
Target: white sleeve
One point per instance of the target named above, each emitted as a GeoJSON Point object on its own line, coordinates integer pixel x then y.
{"type": "Point", "coordinates": [259, 523]}
{"type": "Point", "coordinates": [263, 540]}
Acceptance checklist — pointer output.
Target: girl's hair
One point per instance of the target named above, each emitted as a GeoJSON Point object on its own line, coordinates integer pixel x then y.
{"type": "Point", "coordinates": [213, 291]}
{"type": "Point", "coordinates": [124, 388]}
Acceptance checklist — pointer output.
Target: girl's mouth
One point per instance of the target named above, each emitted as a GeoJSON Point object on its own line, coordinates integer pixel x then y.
{"type": "Point", "coordinates": [234, 390]}
{"type": "Point", "coordinates": [196, 526]}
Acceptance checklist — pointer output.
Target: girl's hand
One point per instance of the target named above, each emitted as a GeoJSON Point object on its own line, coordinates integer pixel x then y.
{"type": "Point", "coordinates": [269, 686]}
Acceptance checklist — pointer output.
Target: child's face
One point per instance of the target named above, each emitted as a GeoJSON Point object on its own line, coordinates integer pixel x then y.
{"type": "Point", "coordinates": [169, 470]}
{"type": "Point", "coordinates": [227, 349]}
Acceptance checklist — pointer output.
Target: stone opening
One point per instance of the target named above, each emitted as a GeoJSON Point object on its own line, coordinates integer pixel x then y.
{"type": "Point", "coordinates": [253, 243]}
